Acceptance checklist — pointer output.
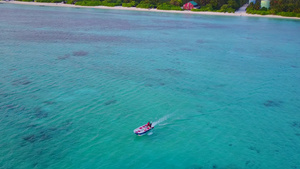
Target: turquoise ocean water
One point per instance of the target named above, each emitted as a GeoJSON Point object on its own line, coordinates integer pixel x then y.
{"type": "Point", "coordinates": [75, 83]}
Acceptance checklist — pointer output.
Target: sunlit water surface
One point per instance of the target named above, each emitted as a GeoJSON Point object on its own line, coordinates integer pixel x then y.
{"type": "Point", "coordinates": [75, 83]}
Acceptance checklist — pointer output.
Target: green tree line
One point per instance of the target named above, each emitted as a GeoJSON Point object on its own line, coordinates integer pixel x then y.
{"type": "Point", "coordinates": [205, 5]}
{"type": "Point", "coordinates": [220, 5]}
{"type": "Point", "coordinates": [277, 7]}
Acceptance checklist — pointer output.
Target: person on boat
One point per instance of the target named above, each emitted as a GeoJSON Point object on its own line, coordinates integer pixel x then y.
{"type": "Point", "coordinates": [149, 125]}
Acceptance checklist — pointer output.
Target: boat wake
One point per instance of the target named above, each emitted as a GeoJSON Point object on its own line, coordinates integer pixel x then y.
{"type": "Point", "coordinates": [161, 120]}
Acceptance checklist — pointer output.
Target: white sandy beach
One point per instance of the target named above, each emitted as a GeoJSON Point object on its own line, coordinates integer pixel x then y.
{"type": "Point", "coordinates": [151, 10]}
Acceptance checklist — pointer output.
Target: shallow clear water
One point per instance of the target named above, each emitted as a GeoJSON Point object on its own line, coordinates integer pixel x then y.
{"type": "Point", "coordinates": [75, 83]}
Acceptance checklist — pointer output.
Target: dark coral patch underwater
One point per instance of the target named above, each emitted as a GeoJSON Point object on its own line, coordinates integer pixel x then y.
{"type": "Point", "coordinates": [110, 102]}
{"type": "Point", "coordinates": [272, 103]}
{"type": "Point", "coordinates": [200, 41]}
{"type": "Point", "coordinates": [154, 82]}
{"type": "Point", "coordinates": [39, 113]}
{"type": "Point", "coordinates": [30, 138]}
{"type": "Point", "coordinates": [254, 149]}
{"type": "Point", "coordinates": [42, 134]}
{"type": "Point", "coordinates": [170, 71]}
{"type": "Point", "coordinates": [4, 94]}
{"type": "Point", "coordinates": [49, 102]}
{"type": "Point", "coordinates": [296, 124]}
{"type": "Point", "coordinates": [75, 53]}
{"type": "Point", "coordinates": [294, 66]}
{"type": "Point", "coordinates": [21, 81]}
{"type": "Point", "coordinates": [66, 56]}
{"type": "Point", "coordinates": [80, 53]}
{"type": "Point", "coordinates": [13, 107]}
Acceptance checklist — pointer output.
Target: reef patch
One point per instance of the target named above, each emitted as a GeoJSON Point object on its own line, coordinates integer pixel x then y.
{"type": "Point", "coordinates": [49, 102]}
{"type": "Point", "coordinates": [4, 94]}
{"type": "Point", "coordinates": [41, 136]}
{"type": "Point", "coordinates": [200, 41]}
{"type": "Point", "coordinates": [170, 71]}
{"type": "Point", "coordinates": [254, 149]}
{"type": "Point", "coordinates": [21, 81]}
{"type": "Point", "coordinates": [296, 124]}
{"type": "Point", "coordinates": [110, 102]}
{"type": "Point", "coordinates": [39, 113]}
{"type": "Point", "coordinates": [294, 66]}
{"type": "Point", "coordinates": [66, 56]}
{"type": "Point", "coordinates": [80, 53]}
{"type": "Point", "coordinates": [272, 103]}
{"type": "Point", "coordinates": [30, 138]}
{"type": "Point", "coordinates": [148, 85]}
{"type": "Point", "coordinates": [13, 107]}
{"type": "Point", "coordinates": [187, 49]}
{"type": "Point", "coordinates": [44, 135]}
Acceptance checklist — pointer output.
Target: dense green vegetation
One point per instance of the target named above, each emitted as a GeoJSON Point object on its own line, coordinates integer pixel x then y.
{"type": "Point", "coordinates": [98, 3]}
{"type": "Point", "coordinates": [289, 8]}
{"type": "Point", "coordinates": [168, 6]}
{"type": "Point", "coordinates": [220, 5]}
{"type": "Point", "coordinates": [206, 5]}
{"type": "Point", "coordinates": [277, 7]}
{"type": "Point", "coordinates": [52, 1]}
{"type": "Point", "coordinates": [129, 4]}
{"type": "Point", "coordinates": [146, 4]}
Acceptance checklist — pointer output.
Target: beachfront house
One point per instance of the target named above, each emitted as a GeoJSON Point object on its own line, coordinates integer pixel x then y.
{"type": "Point", "coordinates": [253, 1]}
{"type": "Point", "coordinates": [265, 3]}
{"type": "Point", "coordinates": [190, 5]}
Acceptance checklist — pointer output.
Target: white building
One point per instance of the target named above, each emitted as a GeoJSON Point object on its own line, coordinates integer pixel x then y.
{"type": "Point", "coordinates": [265, 3]}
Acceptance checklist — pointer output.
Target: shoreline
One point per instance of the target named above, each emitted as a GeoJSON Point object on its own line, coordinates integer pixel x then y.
{"type": "Point", "coordinates": [147, 10]}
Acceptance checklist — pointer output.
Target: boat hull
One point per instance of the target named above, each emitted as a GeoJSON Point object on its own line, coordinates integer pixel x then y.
{"type": "Point", "coordinates": [142, 130]}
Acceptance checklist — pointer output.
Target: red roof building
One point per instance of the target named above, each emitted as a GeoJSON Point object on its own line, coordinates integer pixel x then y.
{"type": "Point", "coordinates": [190, 5]}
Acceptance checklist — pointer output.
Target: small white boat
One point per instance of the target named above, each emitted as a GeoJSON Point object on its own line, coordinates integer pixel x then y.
{"type": "Point", "coordinates": [142, 130]}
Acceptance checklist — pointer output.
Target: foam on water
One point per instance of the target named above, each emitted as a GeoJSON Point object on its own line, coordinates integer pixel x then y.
{"type": "Point", "coordinates": [161, 120]}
